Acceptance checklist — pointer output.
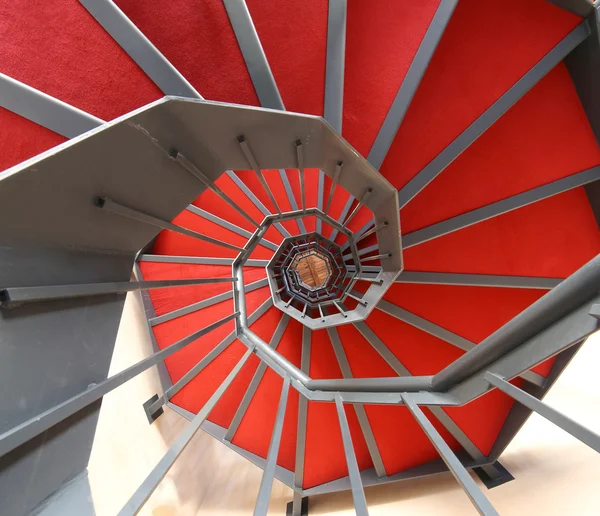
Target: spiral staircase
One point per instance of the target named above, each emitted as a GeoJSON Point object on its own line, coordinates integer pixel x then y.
{"type": "Point", "coordinates": [391, 207]}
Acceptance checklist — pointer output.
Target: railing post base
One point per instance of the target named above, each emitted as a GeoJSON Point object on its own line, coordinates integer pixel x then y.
{"type": "Point", "coordinates": [493, 475]}
{"type": "Point", "coordinates": [304, 508]}
{"type": "Point", "coordinates": [152, 416]}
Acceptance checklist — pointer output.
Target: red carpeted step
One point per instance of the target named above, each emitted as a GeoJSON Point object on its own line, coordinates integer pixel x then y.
{"type": "Point", "coordinates": [232, 190]}
{"type": "Point", "coordinates": [197, 38]}
{"type": "Point", "coordinates": [544, 137]}
{"type": "Point", "coordinates": [60, 49]}
{"type": "Point", "coordinates": [475, 63]}
{"type": "Point", "coordinates": [196, 393]}
{"type": "Point", "coordinates": [378, 56]}
{"type": "Point", "coordinates": [255, 430]}
{"type": "Point", "coordinates": [168, 299]}
{"type": "Point", "coordinates": [536, 240]}
{"type": "Point", "coordinates": [482, 419]}
{"type": "Point", "coordinates": [170, 242]}
{"type": "Point", "coordinates": [400, 442]}
{"type": "Point", "coordinates": [294, 38]}
{"type": "Point", "coordinates": [471, 312]}
{"type": "Point", "coordinates": [324, 457]}
{"type": "Point", "coordinates": [22, 139]}
{"type": "Point", "coordinates": [225, 409]}
{"type": "Point", "coordinates": [420, 352]}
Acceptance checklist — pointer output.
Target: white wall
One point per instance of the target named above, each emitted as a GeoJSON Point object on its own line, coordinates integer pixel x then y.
{"type": "Point", "coordinates": [554, 473]}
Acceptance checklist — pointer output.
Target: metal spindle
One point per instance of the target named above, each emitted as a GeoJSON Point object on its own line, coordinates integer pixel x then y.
{"type": "Point", "coordinates": [336, 177]}
{"type": "Point", "coordinates": [341, 310]}
{"type": "Point", "coordinates": [111, 206]}
{"type": "Point", "coordinates": [139, 498]}
{"type": "Point", "coordinates": [180, 159]}
{"type": "Point", "coordinates": [321, 312]}
{"type": "Point", "coordinates": [254, 164]}
{"type": "Point", "coordinates": [370, 280]}
{"type": "Point", "coordinates": [376, 257]}
{"type": "Point", "coordinates": [266, 484]}
{"type": "Point", "coordinates": [300, 155]}
{"type": "Point", "coordinates": [360, 301]}
{"type": "Point", "coordinates": [360, 204]}
{"type": "Point", "coordinates": [371, 231]}
{"type": "Point", "coordinates": [477, 497]}
{"type": "Point", "coordinates": [12, 296]}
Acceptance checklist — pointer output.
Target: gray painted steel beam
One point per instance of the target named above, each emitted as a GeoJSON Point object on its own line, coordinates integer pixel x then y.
{"type": "Point", "coordinates": [498, 208]}
{"type": "Point", "coordinates": [139, 498]}
{"type": "Point", "coordinates": [441, 333]}
{"type": "Point", "coordinates": [207, 359]}
{"type": "Point", "coordinates": [218, 432]}
{"type": "Point", "coordinates": [139, 48]}
{"type": "Point", "coordinates": [562, 300]}
{"type": "Point", "coordinates": [361, 413]}
{"type": "Point", "coordinates": [492, 114]}
{"type": "Point", "coordinates": [479, 500]}
{"type": "Point", "coordinates": [256, 201]}
{"type": "Point", "coordinates": [369, 249]}
{"type": "Point", "coordinates": [477, 280]}
{"type": "Point", "coordinates": [425, 325]}
{"type": "Point", "coordinates": [38, 424]}
{"type": "Point", "coordinates": [411, 82]}
{"type": "Point", "coordinates": [579, 7]}
{"type": "Point", "coordinates": [438, 412]}
{"type": "Point", "coordinates": [13, 296]}
{"type": "Point", "coordinates": [44, 110]}
{"type": "Point", "coordinates": [560, 335]}
{"type": "Point", "coordinates": [228, 225]}
{"type": "Point", "coordinates": [149, 312]}
{"type": "Point", "coordinates": [219, 298]}
{"type": "Point", "coordinates": [200, 260]}
{"type": "Point", "coordinates": [301, 432]}
{"type": "Point", "coordinates": [457, 433]}
{"type": "Point", "coordinates": [266, 483]}
{"type": "Point", "coordinates": [254, 55]}
{"type": "Point", "coordinates": [381, 348]}
{"type": "Point", "coordinates": [256, 379]}
{"type": "Point", "coordinates": [334, 64]}
{"type": "Point", "coordinates": [358, 493]}
{"type": "Point", "coordinates": [113, 207]}
{"type": "Point", "coordinates": [334, 80]}
{"type": "Point", "coordinates": [585, 435]}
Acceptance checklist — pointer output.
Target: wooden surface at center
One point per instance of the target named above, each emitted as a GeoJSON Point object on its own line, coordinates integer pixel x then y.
{"type": "Point", "coordinates": [312, 270]}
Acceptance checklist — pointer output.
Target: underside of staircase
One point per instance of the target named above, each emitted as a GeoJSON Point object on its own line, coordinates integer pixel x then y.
{"type": "Point", "coordinates": [241, 153]}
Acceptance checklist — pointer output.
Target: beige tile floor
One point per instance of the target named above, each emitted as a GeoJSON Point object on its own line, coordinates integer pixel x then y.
{"type": "Point", "coordinates": [555, 473]}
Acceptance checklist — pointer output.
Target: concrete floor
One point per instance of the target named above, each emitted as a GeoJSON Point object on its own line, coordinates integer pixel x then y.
{"type": "Point", "coordinates": [554, 473]}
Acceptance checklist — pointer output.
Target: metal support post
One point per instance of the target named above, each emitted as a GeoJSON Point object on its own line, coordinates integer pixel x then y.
{"type": "Point", "coordinates": [358, 493]}
{"type": "Point", "coordinates": [264, 492]}
{"type": "Point", "coordinates": [568, 425]}
{"type": "Point", "coordinates": [139, 498]}
{"type": "Point", "coordinates": [481, 503]}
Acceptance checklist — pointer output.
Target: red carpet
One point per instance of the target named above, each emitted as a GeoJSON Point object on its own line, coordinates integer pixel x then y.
{"type": "Point", "coordinates": [58, 48]}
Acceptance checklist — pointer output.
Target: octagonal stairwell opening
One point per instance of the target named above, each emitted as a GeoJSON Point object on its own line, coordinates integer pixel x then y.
{"type": "Point", "coordinates": [312, 268]}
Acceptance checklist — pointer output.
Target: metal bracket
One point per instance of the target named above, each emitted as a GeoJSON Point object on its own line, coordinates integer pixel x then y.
{"type": "Point", "coordinates": [304, 510]}
{"type": "Point", "coordinates": [152, 416]}
{"type": "Point", "coordinates": [502, 475]}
